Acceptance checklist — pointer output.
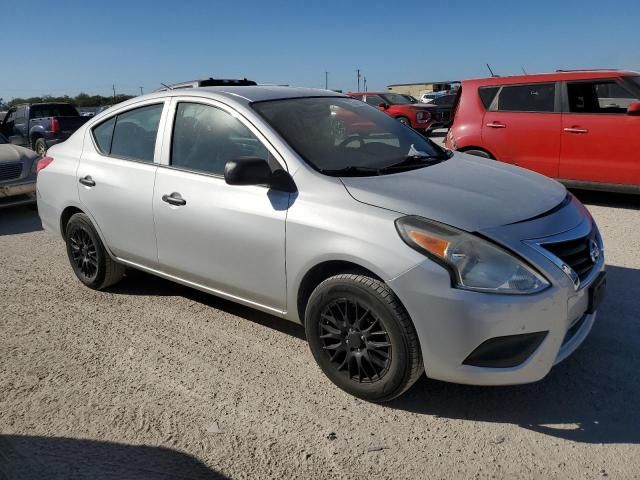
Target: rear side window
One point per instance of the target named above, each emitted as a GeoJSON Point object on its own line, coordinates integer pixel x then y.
{"type": "Point", "coordinates": [536, 97]}
{"type": "Point", "coordinates": [374, 100]}
{"type": "Point", "coordinates": [599, 97]}
{"type": "Point", "coordinates": [53, 110]}
{"type": "Point", "coordinates": [103, 134]}
{"type": "Point", "coordinates": [133, 136]}
{"type": "Point", "coordinates": [487, 94]}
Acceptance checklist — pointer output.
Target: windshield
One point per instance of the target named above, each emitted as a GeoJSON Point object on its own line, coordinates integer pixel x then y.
{"type": "Point", "coordinates": [3, 139]}
{"type": "Point", "coordinates": [634, 80]}
{"type": "Point", "coordinates": [344, 136]}
{"type": "Point", "coordinates": [396, 99]}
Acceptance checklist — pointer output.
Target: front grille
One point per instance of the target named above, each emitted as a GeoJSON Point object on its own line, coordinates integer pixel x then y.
{"type": "Point", "coordinates": [10, 171]}
{"type": "Point", "coordinates": [575, 253]}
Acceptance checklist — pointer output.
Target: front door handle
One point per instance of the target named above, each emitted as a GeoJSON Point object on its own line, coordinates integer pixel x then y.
{"type": "Point", "coordinates": [87, 181]}
{"type": "Point", "coordinates": [174, 199]}
{"type": "Point", "coordinates": [576, 130]}
{"type": "Point", "coordinates": [496, 125]}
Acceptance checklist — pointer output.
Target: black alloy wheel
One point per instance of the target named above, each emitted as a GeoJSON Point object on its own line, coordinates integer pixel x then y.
{"type": "Point", "coordinates": [355, 340]}
{"type": "Point", "coordinates": [83, 253]}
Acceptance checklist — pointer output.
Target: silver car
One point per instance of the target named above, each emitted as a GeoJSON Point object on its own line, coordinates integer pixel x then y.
{"type": "Point", "coordinates": [398, 257]}
{"type": "Point", "coordinates": [17, 174]}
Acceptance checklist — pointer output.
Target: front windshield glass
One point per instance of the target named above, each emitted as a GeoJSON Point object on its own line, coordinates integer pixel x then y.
{"type": "Point", "coordinates": [344, 136]}
{"type": "Point", "coordinates": [635, 80]}
{"type": "Point", "coordinates": [396, 99]}
{"type": "Point", "coordinates": [3, 139]}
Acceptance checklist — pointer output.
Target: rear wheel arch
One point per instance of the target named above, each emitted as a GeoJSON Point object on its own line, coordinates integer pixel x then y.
{"type": "Point", "coordinates": [67, 213]}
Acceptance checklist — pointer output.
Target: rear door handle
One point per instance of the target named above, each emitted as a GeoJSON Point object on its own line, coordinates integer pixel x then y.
{"type": "Point", "coordinates": [576, 130]}
{"type": "Point", "coordinates": [174, 199]}
{"type": "Point", "coordinates": [87, 181]}
{"type": "Point", "coordinates": [496, 125]}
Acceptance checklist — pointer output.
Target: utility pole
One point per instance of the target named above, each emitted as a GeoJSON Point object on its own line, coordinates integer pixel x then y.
{"type": "Point", "coordinates": [326, 80]}
{"type": "Point", "coordinates": [141, 92]}
{"type": "Point", "coordinates": [365, 83]}
{"type": "Point", "coordinates": [358, 73]}
{"type": "Point", "coordinates": [114, 91]}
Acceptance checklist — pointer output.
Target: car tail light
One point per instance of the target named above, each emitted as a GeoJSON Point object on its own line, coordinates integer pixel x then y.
{"type": "Point", "coordinates": [43, 163]}
{"type": "Point", "coordinates": [55, 125]}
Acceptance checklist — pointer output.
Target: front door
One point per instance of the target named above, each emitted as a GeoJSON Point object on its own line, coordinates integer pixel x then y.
{"type": "Point", "coordinates": [116, 177]}
{"type": "Point", "coordinates": [600, 142]}
{"type": "Point", "coordinates": [522, 127]}
{"type": "Point", "coordinates": [230, 239]}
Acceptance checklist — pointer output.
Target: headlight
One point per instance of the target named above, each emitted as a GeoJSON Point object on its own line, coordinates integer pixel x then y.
{"type": "Point", "coordinates": [423, 116]}
{"type": "Point", "coordinates": [474, 263]}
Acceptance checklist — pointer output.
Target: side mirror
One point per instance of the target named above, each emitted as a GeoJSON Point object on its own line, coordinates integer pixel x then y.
{"type": "Point", "coordinates": [256, 171]}
{"type": "Point", "coordinates": [634, 109]}
{"type": "Point", "coordinates": [384, 106]}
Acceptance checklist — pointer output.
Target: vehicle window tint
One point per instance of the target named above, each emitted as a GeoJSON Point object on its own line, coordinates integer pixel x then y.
{"type": "Point", "coordinates": [598, 97]}
{"type": "Point", "coordinates": [103, 134]}
{"type": "Point", "coordinates": [527, 98]}
{"type": "Point", "coordinates": [205, 138]}
{"type": "Point", "coordinates": [134, 136]}
{"type": "Point", "coordinates": [374, 100]}
{"type": "Point", "coordinates": [53, 110]}
{"type": "Point", "coordinates": [487, 94]}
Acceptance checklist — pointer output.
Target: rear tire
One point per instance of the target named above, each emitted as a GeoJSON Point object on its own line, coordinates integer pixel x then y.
{"type": "Point", "coordinates": [478, 153]}
{"type": "Point", "coordinates": [40, 147]}
{"type": "Point", "coordinates": [362, 338]}
{"type": "Point", "coordinates": [89, 259]}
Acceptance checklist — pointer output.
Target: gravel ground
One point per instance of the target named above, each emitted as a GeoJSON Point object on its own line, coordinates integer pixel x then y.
{"type": "Point", "coordinates": [154, 380]}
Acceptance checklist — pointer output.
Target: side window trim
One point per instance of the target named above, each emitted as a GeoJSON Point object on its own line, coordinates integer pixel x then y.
{"type": "Point", "coordinates": [167, 142]}
{"type": "Point", "coordinates": [161, 127]}
{"type": "Point", "coordinates": [493, 107]}
{"type": "Point", "coordinates": [565, 107]}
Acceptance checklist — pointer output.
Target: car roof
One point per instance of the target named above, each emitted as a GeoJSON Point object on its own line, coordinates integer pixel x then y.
{"type": "Point", "coordinates": [250, 94]}
{"type": "Point", "coordinates": [550, 77]}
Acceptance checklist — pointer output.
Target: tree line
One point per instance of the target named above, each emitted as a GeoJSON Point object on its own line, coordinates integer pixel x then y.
{"type": "Point", "coordinates": [80, 100]}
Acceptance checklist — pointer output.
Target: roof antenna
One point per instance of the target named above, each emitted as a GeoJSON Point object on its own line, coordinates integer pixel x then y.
{"type": "Point", "coordinates": [524, 71]}
{"type": "Point", "coordinates": [166, 86]}
{"type": "Point", "coordinates": [491, 71]}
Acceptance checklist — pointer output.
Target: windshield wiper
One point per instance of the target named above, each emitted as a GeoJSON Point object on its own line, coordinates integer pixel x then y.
{"type": "Point", "coordinates": [351, 171]}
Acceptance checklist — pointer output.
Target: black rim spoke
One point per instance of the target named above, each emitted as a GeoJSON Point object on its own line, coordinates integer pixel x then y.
{"type": "Point", "coordinates": [355, 340]}
{"type": "Point", "coordinates": [84, 253]}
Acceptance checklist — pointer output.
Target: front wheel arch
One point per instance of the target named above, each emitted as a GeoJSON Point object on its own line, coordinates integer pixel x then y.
{"type": "Point", "coordinates": [481, 152]}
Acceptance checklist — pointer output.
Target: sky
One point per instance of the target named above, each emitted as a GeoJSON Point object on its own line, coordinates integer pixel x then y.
{"type": "Point", "coordinates": [71, 46]}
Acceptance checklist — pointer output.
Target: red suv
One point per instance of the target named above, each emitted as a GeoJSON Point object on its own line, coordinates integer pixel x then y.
{"type": "Point", "coordinates": [398, 106]}
{"type": "Point", "coordinates": [581, 127]}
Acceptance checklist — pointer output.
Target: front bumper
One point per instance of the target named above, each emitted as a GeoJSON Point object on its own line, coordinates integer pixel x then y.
{"type": "Point", "coordinates": [452, 323]}
{"type": "Point", "coordinates": [18, 194]}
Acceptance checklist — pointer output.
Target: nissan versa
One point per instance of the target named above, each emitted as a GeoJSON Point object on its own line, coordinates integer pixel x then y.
{"type": "Point", "coordinates": [398, 257]}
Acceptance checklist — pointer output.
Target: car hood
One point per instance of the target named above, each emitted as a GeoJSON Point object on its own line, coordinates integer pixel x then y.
{"type": "Point", "coordinates": [467, 192]}
{"type": "Point", "coordinates": [14, 153]}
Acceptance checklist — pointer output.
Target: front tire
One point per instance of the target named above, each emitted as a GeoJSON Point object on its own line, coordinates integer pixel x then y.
{"type": "Point", "coordinates": [404, 121]}
{"type": "Point", "coordinates": [89, 259]}
{"type": "Point", "coordinates": [362, 338]}
{"type": "Point", "coordinates": [478, 153]}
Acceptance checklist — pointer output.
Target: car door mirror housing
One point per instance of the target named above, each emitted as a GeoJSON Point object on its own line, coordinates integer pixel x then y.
{"type": "Point", "coordinates": [256, 171]}
{"type": "Point", "coordinates": [384, 106]}
{"type": "Point", "coordinates": [634, 109]}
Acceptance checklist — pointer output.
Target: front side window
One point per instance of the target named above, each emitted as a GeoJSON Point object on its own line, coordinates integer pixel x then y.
{"type": "Point", "coordinates": [602, 96]}
{"type": "Point", "coordinates": [135, 132]}
{"type": "Point", "coordinates": [205, 138]}
{"type": "Point", "coordinates": [374, 100]}
{"type": "Point", "coordinates": [537, 97]}
{"type": "Point", "coordinates": [341, 136]}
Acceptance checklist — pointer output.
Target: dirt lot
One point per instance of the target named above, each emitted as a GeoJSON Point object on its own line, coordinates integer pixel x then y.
{"type": "Point", "coordinates": [154, 380]}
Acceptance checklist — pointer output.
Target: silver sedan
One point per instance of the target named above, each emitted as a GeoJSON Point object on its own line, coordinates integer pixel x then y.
{"type": "Point", "coordinates": [17, 174]}
{"type": "Point", "coordinates": [398, 257]}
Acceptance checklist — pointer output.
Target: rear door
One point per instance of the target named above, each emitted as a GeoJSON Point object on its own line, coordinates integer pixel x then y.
{"type": "Point", "coordinates": [600, 142]}
{"type": "Point", "coordinates": [116, 177]}
{"type": "Point", "coordinates": [20, 134]}
{"type": "Point", "coordinates": [522, 126]}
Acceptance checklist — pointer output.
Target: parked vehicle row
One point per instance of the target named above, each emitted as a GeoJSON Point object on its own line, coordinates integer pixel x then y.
{"type": "Point", "coordinates": [396, 255]}
{"type": "Point", "coordinates": [581, 127]}
{"type": "Point", "coordinates": [40, 125]}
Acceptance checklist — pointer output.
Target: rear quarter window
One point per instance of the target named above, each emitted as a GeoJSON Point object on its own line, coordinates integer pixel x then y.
{"type": "Point", "coordinates": [487, 94]}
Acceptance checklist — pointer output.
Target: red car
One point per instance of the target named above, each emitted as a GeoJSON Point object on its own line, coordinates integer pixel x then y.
{"type": "Point", "coordinates": [398, 106]}
{"type": "Point", "coordinates": [581, 127]}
